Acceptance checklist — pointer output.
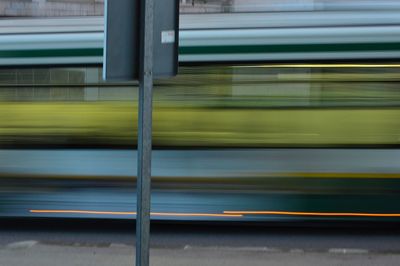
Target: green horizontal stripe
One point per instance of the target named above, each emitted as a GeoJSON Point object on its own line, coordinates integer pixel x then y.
{"type": "Point", "coordinates": [51, 53]}
{"type": "Point", "coordinates": [199, 50]}
{"type": "Point", "coordinates": [289, 48]}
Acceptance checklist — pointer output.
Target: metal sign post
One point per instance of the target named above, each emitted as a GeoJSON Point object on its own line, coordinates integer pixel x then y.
{"type": "Point", "coordinates": [144, 134]}
{"type": "Point", "coordinates": [134, 37]}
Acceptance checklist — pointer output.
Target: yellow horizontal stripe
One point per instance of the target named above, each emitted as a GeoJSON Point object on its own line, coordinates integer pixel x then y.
{"type": "Point", "coordinates": [324, 65]}
{"type": "Point", "coordinates": [114, 124]}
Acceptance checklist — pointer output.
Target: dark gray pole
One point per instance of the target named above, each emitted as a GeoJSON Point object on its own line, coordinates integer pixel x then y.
{"type": "Point", "coordinates": [144, 135]}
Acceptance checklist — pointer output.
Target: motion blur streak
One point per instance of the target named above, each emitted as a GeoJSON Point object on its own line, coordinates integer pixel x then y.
{"type": "Point", "coordinates": [323, 65]}
{"type": "Point", "coordinates": [282, 110]}
{"type": "Point", "coordinates": [349, 214]}
{"type": "Point", "coordinates": [134, 213]}
{"type": "Point", "coordinates": [342, 175]}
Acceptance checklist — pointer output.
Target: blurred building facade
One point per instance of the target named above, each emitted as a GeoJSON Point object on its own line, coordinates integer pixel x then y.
{"type": "Point", "coordinates": [51, 7]}
{"type": "Point", "coordinates": [94, 7]}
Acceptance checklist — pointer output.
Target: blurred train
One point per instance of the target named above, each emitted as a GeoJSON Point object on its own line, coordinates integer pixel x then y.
{"type": "Point", "coordinates": [235, 67]}
{"type": "Point", "coordinates": [226, 37]}
{"type": "Point", "coordinates": [323, 82]}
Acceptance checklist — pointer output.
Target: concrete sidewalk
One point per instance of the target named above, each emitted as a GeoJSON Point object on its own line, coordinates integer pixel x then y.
{"type": "Point", "coordinates": [32, 253]}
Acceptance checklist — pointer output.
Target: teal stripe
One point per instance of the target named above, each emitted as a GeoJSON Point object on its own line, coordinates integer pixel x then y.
{"type": "Point", "coordinates": [51, 53]}
{"type": "Point", "coordinates": [220, 49]}
{"type": "Point", "coordinates": [289, 48]}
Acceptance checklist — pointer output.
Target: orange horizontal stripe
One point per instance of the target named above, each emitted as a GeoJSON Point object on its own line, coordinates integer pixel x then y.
{"type": "Point", "coordinates": [345, 175]}
{"type": "Point", "coordinates": [196, 214]}
{"type": "Point", "coordinates": [355, 214]}
{"type": "Point", "coordinates": [83, 212]}
{"type": "Point", "coordinates": [134, 213]}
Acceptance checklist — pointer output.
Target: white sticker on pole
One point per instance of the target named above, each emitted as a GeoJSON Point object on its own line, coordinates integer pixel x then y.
{"type": "Point", "coordinates": [168, 36]}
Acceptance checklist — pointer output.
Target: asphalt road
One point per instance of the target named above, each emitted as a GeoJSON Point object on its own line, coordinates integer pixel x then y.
{"type": "Point", "coordinates": [95, 242]}
{"type": "Point", "coordinates": [375, 237]}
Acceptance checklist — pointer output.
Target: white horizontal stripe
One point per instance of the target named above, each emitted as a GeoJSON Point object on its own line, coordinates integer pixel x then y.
{"type": "Point", "coordinates": [215, 37]}
{"type": "Point", "coordinates": [51, 41]}
{"type": "Point", "coordinates": [215, 21]}
{"type": "Point", "coordinates": [291, 36]}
